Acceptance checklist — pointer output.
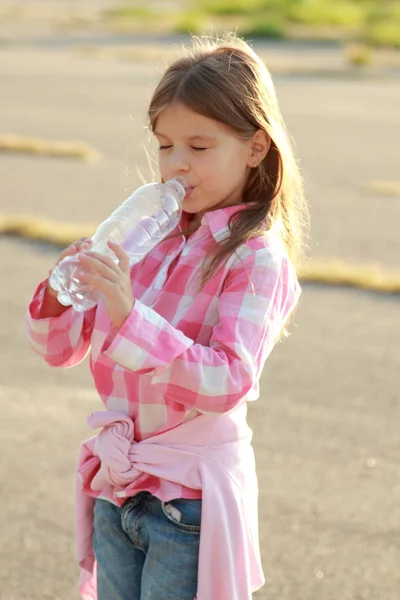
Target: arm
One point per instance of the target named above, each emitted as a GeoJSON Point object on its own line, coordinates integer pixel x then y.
{"type": "Point", "coordinates": [50, 306]}
{"type": "Point", "coordinates": [258, 295]}
{"type": "Point", "coordinates": [59, 334]}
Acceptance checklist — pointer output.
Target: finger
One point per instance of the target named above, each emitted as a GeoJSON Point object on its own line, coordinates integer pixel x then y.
{"type": "Point", "coordinates": [122, 255]}
{"type": "Point", "coordinates": [110, 261]}
{"type": "Point", "coordinates": [103, 268]}
{"type": "Point", "coordinates": [68, 252]}
{"type": "Point", "coordinates": [93, 280]}
{"type": "Point", "coordinates": [82, 245]}
{"type": "Point", "coordinates": [75, 247]}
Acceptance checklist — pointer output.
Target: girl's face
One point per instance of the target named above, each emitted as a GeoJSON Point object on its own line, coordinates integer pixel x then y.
{"type": "Point", "coordinates": [209, 155]}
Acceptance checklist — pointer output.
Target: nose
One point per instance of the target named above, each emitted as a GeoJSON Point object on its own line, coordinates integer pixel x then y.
{"type": "Point", "coordinates": [179, 162]}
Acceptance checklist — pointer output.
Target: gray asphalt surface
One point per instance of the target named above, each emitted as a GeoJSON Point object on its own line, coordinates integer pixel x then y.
{"type": "Point", "coordinates": [326, 427]}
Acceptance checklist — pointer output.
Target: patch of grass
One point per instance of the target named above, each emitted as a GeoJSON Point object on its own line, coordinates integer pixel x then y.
{"type": "Point", "coordinates": [44, 230]}
{"type": "Point", "coordinates": [41, 147]}
{"type": "Point", "coordinates": [373, 22]}
{"type": "Point", "coordinates": [341, 13]}
{"type": "Point", "coordinates": [265, 25]}
{"type": "Point", "coordinates": [230, 7]}
{"type": "Point", "coordinates": [339, 273]}
{"type": "Point", "coordinates": [190, 22]}
{"type": "Point", "coordinates": [384, 34]}
{"type": "Point", "coordinates": [359, 55]}
{"type": "Point", "coordinates": [385, 188]}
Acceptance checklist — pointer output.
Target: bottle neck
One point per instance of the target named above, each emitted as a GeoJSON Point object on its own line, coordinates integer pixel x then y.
{"type": "Point", "coordinates": [179, 185]}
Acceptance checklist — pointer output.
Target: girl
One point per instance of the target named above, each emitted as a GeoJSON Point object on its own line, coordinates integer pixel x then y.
{"type": "Point", "coordinates": [167, 491]}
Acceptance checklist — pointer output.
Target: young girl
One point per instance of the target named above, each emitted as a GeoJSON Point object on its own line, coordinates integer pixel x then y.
{"type": "Point", "coordinates": [167, 491]}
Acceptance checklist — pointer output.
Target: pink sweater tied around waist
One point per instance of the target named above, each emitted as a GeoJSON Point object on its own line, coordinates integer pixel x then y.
{"type": "Point", "coordinates": [219, 461]}
{"type": "Point", "coordinates": [114, 455]}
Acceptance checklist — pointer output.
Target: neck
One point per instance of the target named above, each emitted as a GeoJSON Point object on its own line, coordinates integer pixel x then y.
{"type": "Point", "coordinates": [194, 223]}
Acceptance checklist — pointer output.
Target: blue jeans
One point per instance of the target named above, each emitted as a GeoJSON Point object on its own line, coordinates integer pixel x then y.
{"type": "Point", "coordinates": [147, 549]}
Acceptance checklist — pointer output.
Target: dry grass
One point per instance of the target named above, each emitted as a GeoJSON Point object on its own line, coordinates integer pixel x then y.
{"type": "Point", "coordinates": [359, 55]}
{"type": "Point", "coordinates": [376, 22]}
{"type": "Point", "coordinates": [338, 273]}
{"type": "Point", "coordinates": [40, 147]}
{"type": "Point", "coordinates": [44, 230]}
{"type": "Point", "coordinates": [326, 272]}
{"type": "Point", "coordinates": [385, 188]}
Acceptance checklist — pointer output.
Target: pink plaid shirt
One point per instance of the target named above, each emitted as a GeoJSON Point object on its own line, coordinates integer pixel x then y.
{"type": "Point", "coordinates": [180, 353]}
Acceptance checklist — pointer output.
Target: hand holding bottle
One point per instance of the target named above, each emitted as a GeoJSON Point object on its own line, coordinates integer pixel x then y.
{"type": "Point", "coordinates": [80, 245]}
{"type": "Point", "coordinates": [51, 307]}
{"type": "Point", "coordinates": [141, 222]}
{"type": "Point", "coordinates": [112, 279]}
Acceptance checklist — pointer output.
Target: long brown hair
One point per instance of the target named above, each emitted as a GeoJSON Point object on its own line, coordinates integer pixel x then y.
{"type": "Point", "coordinates": [224, 79]}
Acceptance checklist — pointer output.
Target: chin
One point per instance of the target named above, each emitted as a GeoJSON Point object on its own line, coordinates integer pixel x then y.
{"type": "Point", "coordinates": [191, 207]}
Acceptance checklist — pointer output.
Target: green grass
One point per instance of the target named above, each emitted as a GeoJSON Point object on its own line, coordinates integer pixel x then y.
{"type": "Point", "coordinates": [191, 21]}
{"type": "Point", "coordinates": [340, 13]}
{"type": "Point", "coordinates": [385, 34]}
{"type": "Point", "coordinates": [370, 22]}
{"type": "Point", "coordinates": [382, 24]}
{"type": "Point", "coordinates": [266, 25]}
{"type": "Point", "coordinates": [230, 7]}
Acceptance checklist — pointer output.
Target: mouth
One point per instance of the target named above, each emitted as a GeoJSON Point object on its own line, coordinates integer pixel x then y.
{"type": "Point", "coordinates": [189, 191]}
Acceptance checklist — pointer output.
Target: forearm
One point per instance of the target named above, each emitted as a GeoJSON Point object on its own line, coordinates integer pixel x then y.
{"type": "Point", "coordinates": [51, 307]}
{"type": "Point", "coordinates": [61, 336]}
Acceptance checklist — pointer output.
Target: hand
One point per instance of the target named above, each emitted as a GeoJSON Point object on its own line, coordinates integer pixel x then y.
{"type": "Point", "coordinates": [79, 246]}
{"type": "Point", "coordinates": [110, 278]}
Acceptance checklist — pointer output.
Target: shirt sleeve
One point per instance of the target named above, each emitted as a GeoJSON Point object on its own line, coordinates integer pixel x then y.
{"type": "Point", "coordinates": [62, 341]}
{"type": "Point", "coordinates": [257, 297]}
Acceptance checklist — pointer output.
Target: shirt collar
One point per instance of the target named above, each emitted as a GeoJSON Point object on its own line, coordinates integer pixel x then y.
{"type": "Point", "coordinates": [217, 220]}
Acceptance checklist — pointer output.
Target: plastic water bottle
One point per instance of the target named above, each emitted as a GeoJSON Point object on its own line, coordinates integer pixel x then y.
{"type": "Point", "coordinates": [138, 224]}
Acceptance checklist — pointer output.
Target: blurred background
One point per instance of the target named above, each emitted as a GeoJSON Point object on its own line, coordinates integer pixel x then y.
{"type": "Point", "coordinates": [75, 79]}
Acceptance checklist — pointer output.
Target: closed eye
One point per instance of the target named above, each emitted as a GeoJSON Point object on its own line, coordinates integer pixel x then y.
{"type": "Point", "coordinates": [195, 148]}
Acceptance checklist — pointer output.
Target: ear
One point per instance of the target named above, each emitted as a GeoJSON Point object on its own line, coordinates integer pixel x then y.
{"type": "Point", "coordinates": [259, 146]}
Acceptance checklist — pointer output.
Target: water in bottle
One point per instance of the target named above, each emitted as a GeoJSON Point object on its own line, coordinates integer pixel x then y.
{"type": "Point", "coordinates": [138, 224]}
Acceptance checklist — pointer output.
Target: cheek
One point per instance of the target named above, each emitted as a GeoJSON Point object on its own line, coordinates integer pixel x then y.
{"type": "Point", "coordinates": [163, 168]}
{"type": "Point", "coordinates": [213, 166]}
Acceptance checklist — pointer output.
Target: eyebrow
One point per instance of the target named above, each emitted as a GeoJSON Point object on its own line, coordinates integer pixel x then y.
{"type": "Point", "coordinates": [191, 138]}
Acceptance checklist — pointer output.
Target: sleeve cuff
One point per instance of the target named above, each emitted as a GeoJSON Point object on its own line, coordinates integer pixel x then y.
{"type": "Point", "coordinates": [145, 342]}
{"type": "Point", "coordinates": [33, 313]}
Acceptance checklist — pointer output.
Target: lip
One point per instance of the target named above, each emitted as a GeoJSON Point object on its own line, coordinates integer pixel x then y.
{"type": "Point", "coordinates": [190, 190]}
